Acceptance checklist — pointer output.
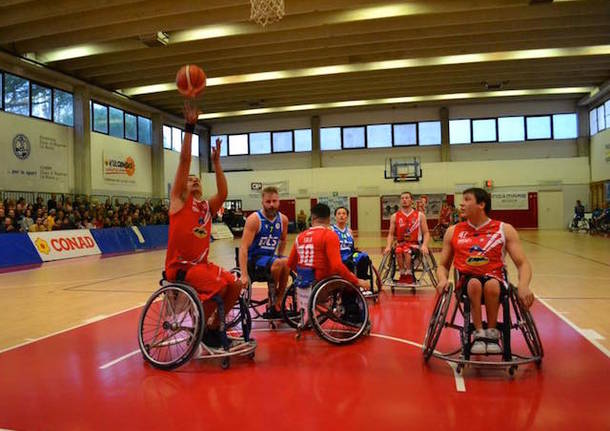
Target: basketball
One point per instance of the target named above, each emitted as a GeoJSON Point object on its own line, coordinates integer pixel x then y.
{"type": "Point", "coordinates": [190, 80]}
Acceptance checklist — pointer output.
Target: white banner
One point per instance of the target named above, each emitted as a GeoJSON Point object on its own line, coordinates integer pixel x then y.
{"type": "Point", "coordinates": [64, 244]}
{"type": "Point", "coordinates": [509, 201]}
{"type": "Point", "coordinates": [119, 168]}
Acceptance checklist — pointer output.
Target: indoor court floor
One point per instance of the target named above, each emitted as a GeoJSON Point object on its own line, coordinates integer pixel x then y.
{"type": "Point", "coordinates": [69, 357]}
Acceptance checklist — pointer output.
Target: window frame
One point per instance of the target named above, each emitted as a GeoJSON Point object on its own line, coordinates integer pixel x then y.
{"type": "Point", "coordinates": [52, 100]}
{"type": "Point", "coordinates": [553, 126]}
{"type": "Point", "coordinates": [229, 145]}
{"type": "Point", "coordinates": [472, 120]}
{"type": "Point", "coordinates": [249, 146]}
{"type": "Point", "coordinates": [292, 141]}
{"type": "Point", "coordinates": [93, 103]}
{"type": "Point", "coordinates": [366, 135]}
{"type": "Point", "coordinates": [470, 130]}
{"type": "Point", "coordinates": [429, 145]}
{"type": "Point", "coordinates": [405, 124]}
{"type": "Point", "coordinates": [550, 117]}
{"type": "Point", "coordinates": [343, 147]}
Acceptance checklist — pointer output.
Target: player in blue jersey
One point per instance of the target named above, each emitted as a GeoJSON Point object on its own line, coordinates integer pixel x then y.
{"type": "Point", "coordinates": [262, 245]}
{"type": "Point", "coordinates": [357, 261]}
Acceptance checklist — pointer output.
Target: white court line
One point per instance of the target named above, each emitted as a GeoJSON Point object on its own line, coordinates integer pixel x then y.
{"type": "Point", "coordinates": [95, 318]}
{"type": "Point", "coordinates": [593, 341]}
{"type": "Point", "coordinates": [460, 385]}
{"type": "Point", "coordinates": [33, 340]}
{"type": "Point", "coordinates": [593, 334]}
{"type": "Point", "coordinates": [116, 361]}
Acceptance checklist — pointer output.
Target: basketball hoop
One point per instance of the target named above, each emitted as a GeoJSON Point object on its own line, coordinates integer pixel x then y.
{"type": "Point", "coordinates": [266, 12]}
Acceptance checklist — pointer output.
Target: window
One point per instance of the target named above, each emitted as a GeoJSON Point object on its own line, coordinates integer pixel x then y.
{"type": "Point", "coordinates": [459, 131]}
{"type": "Point", "coordinates": [379, 136]}
{"type": "Point", "coordinates": [1, 93]}
{"type": "Point", "coordinates": [353, 137]}
{"type": "Point", "coordinates": [538, 127]}
{"type": "Point", "coordinates": [511, 129]}
{"type": "Point", "coordinates": [593, 122]}
{"type": "Point", "coordinates": [302, 140]}
{"type": "Point", "coordinates": [260, 143]}
{"type": "Point", "coordinates": [41, 101]}
{"type": "Point", "coordinates": [100, 118]}
{"type": "Point", "coordinates": [606, 109]}
{"type": "Point", "coordinates": [131, 127]}
{"type": "Point", "coordinates": [238, 144]}
{"type": "Point", "coordinates": [115, 117]}
{"type": "Point", "coordinates": [330, 138]}
{"type": "Point", "coordinates": [144, 130]}
{"type": "Point", "coordinates": [176, 139]}
{"type": "Point", "coordinates": [429, 133]}
{"type": "Point", "coordinates": [565, 126]}
{"type": "Point", "coordinates": [601, 118]}
{"type": "Point", "coordinates": [282, 142]}
{"type": "Point", "coordinates": [223, 143]}
{"type": "Point", "coordinates": [167, 137]}
{"type": "Point", "coordinates": [484, 130]}
{"type": "Point", "coordinates": [63, 107]}
{"type": "Point", "coordinates": [16, 95]}
{"type": "Point", "coordinates": [195, 146]}
{"type": "Point", "coordinates": [405, 134]}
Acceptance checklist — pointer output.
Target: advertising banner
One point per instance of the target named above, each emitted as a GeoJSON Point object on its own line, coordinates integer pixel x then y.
{"type": "Point", "coordinates": [64, 244]}
{"type": "Point", "coordinates": [118, 168]}
{"type": "Point", "coordinates": [509, 201]}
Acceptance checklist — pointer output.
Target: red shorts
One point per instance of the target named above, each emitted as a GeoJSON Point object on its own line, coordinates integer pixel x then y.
{"type": "Point", "coordinates": [406, 247]}
{"type": "Point", "coordinates": [206, 278]}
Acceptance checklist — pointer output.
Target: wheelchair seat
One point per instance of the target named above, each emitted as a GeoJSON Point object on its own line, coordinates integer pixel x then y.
{"type": "Point", "coordinates": [423, 269]}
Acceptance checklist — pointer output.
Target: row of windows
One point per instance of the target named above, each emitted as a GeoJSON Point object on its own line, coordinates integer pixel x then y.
{"type": "Point", "coordinates": [285, 141]}
{"type": "Point", "coordinates": [118, 123]}
{"type": "Point", "coordinates": [599, 118]}
{"type": "Point", "coordinates": [23, 97]}
{"type": "Point", "coordinates": [173, 137]}
{"type": "Point", "coordinates": [513, 129]}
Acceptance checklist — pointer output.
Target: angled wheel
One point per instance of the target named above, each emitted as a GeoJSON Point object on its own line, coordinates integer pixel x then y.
{"type": "Point", "coordinates": [387, 268]}
{"type": "Point", "coordinates": [338, 310]}
{"type": "Point", "coordinates": [289, 307]}
{"type": "Point", "coordinates": [526, 324]}
{"type": "Point", "coordinates": [235, 315]}
{"type": "Point", "coordinates": [437, 322]}
{"type": "Point", "coordinates": [171, 326]}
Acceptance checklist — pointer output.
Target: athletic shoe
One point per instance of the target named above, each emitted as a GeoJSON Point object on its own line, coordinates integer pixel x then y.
{"type": "Point", "coordinates": [493, 341]}
{"type": "Point", "coordinates": [272, 314]}
{"type": "Point", "coordinates": [212, 338]}
{"type": "Point", "coordinates": [479, 347]}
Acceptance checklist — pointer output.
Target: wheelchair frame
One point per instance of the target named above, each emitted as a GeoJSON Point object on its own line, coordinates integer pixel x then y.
{"type": "Point", "coordinates": [461, 356]}
{"type": "Point", "coordinates": [231, 346]}
{"type": "Point", "coordinates": [421, 265]}
{"type": "Point", "coordinates": [336, 312]}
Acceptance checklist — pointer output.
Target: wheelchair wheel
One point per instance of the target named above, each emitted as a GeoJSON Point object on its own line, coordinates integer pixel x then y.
{"type": "Point", "coordinates": [171, 326]}
{"type": "Point", "coordinates": [387, 268]}
{"type": "Point", "coordinates": [234, 315]}
{"type": "Point", "coordinates": [526, 323]}
{"type": "Point", "coordinates": [376, 284]}
{"type": "Point", "coordinates": [289, 307]}
{"type": "Point", "coordinates": [339, 312]}
{"type": "Point", "coordinates": [425, 265]}
{"type": "Point", "coordinates": [437, 322]}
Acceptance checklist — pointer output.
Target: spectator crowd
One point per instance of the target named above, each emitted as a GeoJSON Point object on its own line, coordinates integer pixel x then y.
{"type": "Point", "coordinates": [78, 213]}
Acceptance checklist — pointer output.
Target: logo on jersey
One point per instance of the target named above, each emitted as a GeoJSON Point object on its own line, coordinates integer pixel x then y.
{"type": "Point", "coordinates": [200, 231]}
{"type": "Point", "coordinates": [277, 225]}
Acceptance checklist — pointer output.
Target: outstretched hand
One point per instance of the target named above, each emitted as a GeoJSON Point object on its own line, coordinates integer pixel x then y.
{"type": "Point", "coordinates": [216, 151]}
{"type": "Point", "coordinates": [191, 112]}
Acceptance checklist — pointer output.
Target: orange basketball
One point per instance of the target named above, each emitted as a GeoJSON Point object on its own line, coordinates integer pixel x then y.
{"type": "Point", "coordinates": [190, 80]}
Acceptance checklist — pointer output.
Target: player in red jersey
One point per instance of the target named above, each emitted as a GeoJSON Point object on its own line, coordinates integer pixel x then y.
{"type": "Point", "coordinates": [410, 229]}
{"type": "Point", "coordinates": [477, 247]}
{"type": "Point", "coordinates": [315, 255]}
{"type": "Point", "coordinates": [190, 225]}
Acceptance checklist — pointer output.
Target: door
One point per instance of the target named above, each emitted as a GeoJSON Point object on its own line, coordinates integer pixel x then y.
{"type": "Point", "coordinates": [550, 210]}
{"type": "Point", "coordinates": [369, 217]}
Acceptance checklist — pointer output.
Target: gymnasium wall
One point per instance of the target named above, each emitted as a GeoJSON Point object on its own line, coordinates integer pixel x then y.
{"type": "Point", "coordinates": [600, 156]}
{"type": "Point", "coordinates": [105, 148]}
{"type": "Point", "coordinates": [49, 164]}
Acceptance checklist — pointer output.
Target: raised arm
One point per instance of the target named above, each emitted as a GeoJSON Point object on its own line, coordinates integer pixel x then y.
{"type": "Point", "coordinates": [176, 197]}
{"type": "Point", "coordinates": [218, 199]}
{"type": "Point", "coordinates": [444, 264]}
{"type": "Point", "coordinates": [514, 249]}
{"type": "Point", "coordinates": [250, 230]}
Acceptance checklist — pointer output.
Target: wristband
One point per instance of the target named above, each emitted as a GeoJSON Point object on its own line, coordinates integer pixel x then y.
{"type": "Point", "coordinates": [189, 128]}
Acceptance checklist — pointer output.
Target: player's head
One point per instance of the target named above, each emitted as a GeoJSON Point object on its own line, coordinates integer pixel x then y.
{"type": "Point", "coordinates": [193, 185]}
{"type": "Point", "coordinates": [320, 214]}
{"type": "Point", "coordinates": [406, 200]}
{"type": "Point", "coordinates": [475, 202]}
{"type": "Point", "coordinates": [270, 198]}
{"type": "Point", "coordinates": [341, 215]}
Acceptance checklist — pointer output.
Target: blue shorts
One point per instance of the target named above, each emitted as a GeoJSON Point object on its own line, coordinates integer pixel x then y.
{"type": "Point", "coordinates": [260, 267]}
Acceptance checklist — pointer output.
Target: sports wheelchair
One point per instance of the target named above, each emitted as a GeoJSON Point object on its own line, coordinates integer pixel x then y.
{"type": "Point", "coordinates": [364, 269]}
{"type": "Point", "coordinates": [172, 325]}
{"type": "Point", "coordinates": [578, 224]}
{"type": "Point", "coordinates": [520, 319]}
{"type": "Point", "coordinates": [336, 309]}
{"type": "Point", "coordinates": [423, 269]}
{"type": "Point", "coordinates": [438, 233]}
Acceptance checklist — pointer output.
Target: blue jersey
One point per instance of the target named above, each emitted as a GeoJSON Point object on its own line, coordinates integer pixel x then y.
{"type": "Point", "coordinates": [346, 242]}
{"type": "Point", "coordinates": [267, 238]}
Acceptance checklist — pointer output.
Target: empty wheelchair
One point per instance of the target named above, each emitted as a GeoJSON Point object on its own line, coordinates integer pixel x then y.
{"type": "Point", "coordinates": [335, 308]}
{"type": "Point", "coordinates": [172, 325]}
{"type": "Point", "coordinates": [515, 317]}
{"type": "Point", "coordinates": [423, 269]}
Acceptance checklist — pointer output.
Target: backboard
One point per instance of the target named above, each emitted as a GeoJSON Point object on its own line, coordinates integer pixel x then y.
{"type": "Point", "coordinates": [402, 170]}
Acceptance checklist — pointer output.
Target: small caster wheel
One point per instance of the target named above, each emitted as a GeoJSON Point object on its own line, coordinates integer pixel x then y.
{"type": "Point", "coordinates": [225, 363]}
{"type": "Point", "coordinates": [297, 336]}
{"type": "Point", "coordinates": [273, 325]}
{"type": "Point", "coordinates": [251, 355]}
{"type": "Point", "coordinates": [459, 368]}
{"type": "Point", "coordinates": [511, 370]}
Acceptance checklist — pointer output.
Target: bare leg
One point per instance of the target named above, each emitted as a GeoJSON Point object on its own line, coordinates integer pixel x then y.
{"type": "Point", "coordinates": [491, 292]}
{"type": "Point", "coordinates": [475, 290]}
{"type": "Point", "coordinates": [280, 273]}
{"type": "Point", "coordinates": [229, 295]}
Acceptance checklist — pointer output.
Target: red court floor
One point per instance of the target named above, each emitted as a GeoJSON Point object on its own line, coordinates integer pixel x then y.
{"type": "Point", "coordinates": [379, 383]}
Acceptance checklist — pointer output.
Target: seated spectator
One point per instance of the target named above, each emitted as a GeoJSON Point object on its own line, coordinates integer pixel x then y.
{"type": "Point", "coordinates": [26, 221]}
{"type": "Point", "coordinates": [8, 226]}
{"type": "Point", "coordinates": [38, 226]}
{"type": "Point", "coordinates": [57, 225]}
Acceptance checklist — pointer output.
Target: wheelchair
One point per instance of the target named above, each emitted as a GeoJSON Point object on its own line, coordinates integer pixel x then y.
{"type": "Point", "coordinates": [366, 271]}
{"type": "Point", "coordinates": [423, 269]}
{"type": "Point", "coordinates": [578, 224]}
{"type": "Point", "coordinates": [172, 325]}
{"type": "Point", "coordinates": [438, 233]}
{"type": "Point", "coordinates": [519, 319]}
{"type": "Point", "coordinates": [256, 306]}
{"type": "Point", "coordinates": [337, 310]}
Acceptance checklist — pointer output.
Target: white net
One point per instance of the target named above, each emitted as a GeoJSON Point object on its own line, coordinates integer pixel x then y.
{"type": "Point", "coordinates": [266, 12]}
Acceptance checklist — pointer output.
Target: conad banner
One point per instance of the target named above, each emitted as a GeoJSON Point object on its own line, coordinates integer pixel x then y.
{"type": "Point", "coordinates": [509, 201]}
{"type": "Point", "coordinates": [119, 168]}
{"type": "Point", "coordinates": [64, 244]}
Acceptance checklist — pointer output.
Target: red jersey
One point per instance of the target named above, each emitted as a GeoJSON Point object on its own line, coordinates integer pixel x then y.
{"type": "Point", "coordinates": [445, 216]}
{"type": "Point", "coordinates": [317, 249]}
{"type": "Point", "coordinates": [479, 251]}
{"type": "Point", "coordinates": [189, 234]}
{"type": "Point", "coordinates": [408, 227]}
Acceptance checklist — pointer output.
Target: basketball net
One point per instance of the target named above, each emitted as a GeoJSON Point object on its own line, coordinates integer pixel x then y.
{"type": "Point", "coordinates": [266, 12]}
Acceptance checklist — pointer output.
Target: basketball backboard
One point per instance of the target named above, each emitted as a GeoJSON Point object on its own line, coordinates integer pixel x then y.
{"type": "Point", "coordinates": [402, 170]}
